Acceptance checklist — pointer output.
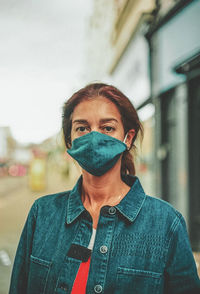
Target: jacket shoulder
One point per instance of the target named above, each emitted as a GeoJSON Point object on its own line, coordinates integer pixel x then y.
{"type": "Point", "coordinates": [162, 208]}
{"type": "Point", "coordinates": [51, 202]}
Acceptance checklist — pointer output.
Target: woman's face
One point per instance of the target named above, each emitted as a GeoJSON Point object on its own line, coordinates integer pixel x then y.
{"type": "Point", "coordinates": [100, 115]}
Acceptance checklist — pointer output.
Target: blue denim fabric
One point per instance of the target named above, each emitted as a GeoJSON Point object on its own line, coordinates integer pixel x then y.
{"type": "Point", "coordinates": [148, 250]}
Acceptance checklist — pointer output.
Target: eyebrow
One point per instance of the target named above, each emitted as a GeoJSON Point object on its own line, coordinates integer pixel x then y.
{"type": "Point", "coordinates": [103, 120]}
{"type": "Point", "coordinates": [80, 121]}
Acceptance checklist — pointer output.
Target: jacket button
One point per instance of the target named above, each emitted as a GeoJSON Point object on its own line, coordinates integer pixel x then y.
{"type": "Point", "coordinates": [112, 210]}
{"type": "Point", "coordinates": [98, 289]}
{"type": "Point", "coordinates": [103, 249]}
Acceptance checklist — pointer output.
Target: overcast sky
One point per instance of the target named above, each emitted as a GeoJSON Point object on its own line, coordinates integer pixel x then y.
{"type": "Point", "coordinates": [42, 61]}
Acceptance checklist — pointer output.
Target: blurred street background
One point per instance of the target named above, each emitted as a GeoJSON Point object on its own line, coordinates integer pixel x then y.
{"type": "Point", "coordinates": [149, 49]}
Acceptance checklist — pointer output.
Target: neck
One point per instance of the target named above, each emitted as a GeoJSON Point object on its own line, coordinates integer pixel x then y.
{"type": "Point", "coordinates": [107, 189]}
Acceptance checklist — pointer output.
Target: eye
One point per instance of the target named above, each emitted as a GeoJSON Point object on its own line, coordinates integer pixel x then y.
{"type": "Point", "coordinates": [81, 129]}
{"type": "Point", "coordinates": [108, 129]}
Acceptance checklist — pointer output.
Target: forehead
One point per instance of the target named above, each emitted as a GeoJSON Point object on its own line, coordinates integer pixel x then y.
{"type": "Point", "coordinates": [97, 107]}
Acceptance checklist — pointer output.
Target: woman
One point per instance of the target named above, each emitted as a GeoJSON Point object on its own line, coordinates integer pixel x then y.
{"type": "Point", "coordinates": [106, 235]}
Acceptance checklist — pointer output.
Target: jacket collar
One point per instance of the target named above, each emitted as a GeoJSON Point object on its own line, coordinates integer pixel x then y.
{"type": "Point", "coordinates": [75, 206]}
{"type": "Point", "coordinates": [129, 207]}
{"type": "Point", "coordinates": [132, 203]}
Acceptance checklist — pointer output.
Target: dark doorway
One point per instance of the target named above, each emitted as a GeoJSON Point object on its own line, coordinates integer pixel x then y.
{"type": "Point", "coordinates": [194, 161]}
{"type": "Point", "coordinates": [168, 146]}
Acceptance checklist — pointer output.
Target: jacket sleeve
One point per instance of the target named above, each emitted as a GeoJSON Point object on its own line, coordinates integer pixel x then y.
{"type": "Point", "coordinates": [181, 271]}
{"type": "Point", "coordinates": [19, 276]}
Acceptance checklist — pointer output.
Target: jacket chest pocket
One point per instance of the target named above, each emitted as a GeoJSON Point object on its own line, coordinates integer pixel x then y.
{"type": "Point", "coordinates": [133, 281]}
{"type": "Point", "coordinates": [38, 274]}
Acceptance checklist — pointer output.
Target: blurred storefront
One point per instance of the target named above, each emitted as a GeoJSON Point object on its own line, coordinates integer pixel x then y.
{"type": "Point", "coordinates": [175, 76]}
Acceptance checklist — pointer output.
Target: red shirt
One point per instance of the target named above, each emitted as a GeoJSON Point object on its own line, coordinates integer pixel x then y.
{"type": "Point", "coordinates": [80, 282]}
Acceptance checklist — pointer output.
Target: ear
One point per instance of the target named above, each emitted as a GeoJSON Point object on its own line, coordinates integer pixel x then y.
{"type": "Point", "coordinates": [130, 137]}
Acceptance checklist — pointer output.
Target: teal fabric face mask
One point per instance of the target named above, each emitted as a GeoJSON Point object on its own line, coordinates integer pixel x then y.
{"type": "Point", "coordinates": [96, 152]}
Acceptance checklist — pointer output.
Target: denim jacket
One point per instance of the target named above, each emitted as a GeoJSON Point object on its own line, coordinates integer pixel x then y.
{"type": "Point", "coordinates": [141, 247]}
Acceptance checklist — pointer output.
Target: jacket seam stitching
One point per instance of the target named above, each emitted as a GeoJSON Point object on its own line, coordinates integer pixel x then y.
{"type": "Point", "coordinates": [174, 226]}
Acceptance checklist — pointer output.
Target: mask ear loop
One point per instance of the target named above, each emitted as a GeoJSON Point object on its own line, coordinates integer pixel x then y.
{"type": "Point", "coordinates": [125, 141]}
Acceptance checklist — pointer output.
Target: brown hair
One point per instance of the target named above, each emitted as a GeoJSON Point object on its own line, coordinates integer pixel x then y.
{"type": "Point", "coordinates": [128, 113]}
